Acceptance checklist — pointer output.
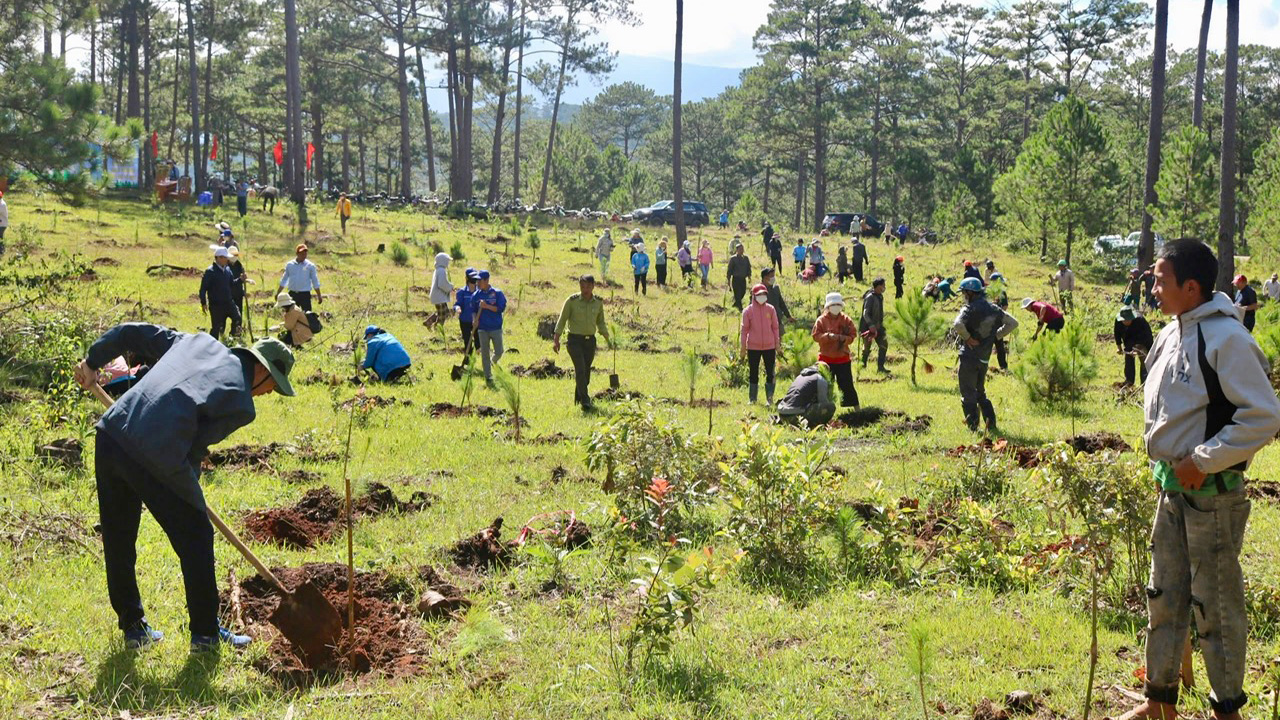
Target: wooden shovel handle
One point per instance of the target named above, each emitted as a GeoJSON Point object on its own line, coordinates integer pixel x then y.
{"type": "Point", "coordinates": [226, 531]}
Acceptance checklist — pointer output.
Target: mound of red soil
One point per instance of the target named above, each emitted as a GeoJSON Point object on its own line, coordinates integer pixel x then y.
{"type": "Point", "coordinates": [1026, 457]}
{"type": "Point", "coordinates": [1096, 442]}
{"type": "Point", "coordinates": [384, 639]}
{"type": "Point", "coordinates": [483, 550]}
{"type": "Point", "coordinates": [106, 262]}
{"type": "Point", "coordinates": [316, 517]}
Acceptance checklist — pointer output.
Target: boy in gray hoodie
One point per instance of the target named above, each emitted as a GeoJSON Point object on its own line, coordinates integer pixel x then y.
{"type": "Point", "coordinates": [1209, 409]}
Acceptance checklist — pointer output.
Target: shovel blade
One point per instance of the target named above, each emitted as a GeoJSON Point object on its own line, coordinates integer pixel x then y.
{"type": "Point", "coordinates": [308, 620]}
{"type": "Point", "coordinates": [455, 372]}
{"type": "Point", "coordinates": [614, 383]}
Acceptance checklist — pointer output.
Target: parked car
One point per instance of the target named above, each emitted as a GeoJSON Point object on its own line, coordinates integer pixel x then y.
{"type": "Point", "coordinates": [842, 222]}
{"type": "Point", "coordinates": [1121, 252]}
{"type": "Point", "coordinates": [664, 212]}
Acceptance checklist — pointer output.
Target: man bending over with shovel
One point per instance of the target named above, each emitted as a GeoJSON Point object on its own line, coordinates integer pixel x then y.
{"type": "Point", "coordinates": [149, 449]}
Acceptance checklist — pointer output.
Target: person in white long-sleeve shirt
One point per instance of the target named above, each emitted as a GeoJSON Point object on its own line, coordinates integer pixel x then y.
{"type": "Point", "coordinates": [300, 278]}
{"type": "Point", "coordinates": [4, 220]}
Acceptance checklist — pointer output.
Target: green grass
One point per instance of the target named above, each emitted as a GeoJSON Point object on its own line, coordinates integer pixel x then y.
{"type": "Point", "coordinates": [837, 653]}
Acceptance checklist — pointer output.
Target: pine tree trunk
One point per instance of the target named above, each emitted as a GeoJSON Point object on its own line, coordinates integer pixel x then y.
{"type": "Point", "coordinates": [148, 154]}
{"type": "Point", "coordinates": [495, 161]}
{"type": "Point", "coordinates": [1227, 175]}
{"type": "Point", "coordinates": [317, 139]}
{"type": "Point", "coordinates": [193, 99]}
{"type": "Point", "coordinates": [677, 130]}
{"type": "Point", "coordinates": [402, 77]}
{"type": "Point", "coordinates": [293, 77]}
{"type": "Point", "coordinates": [875, 150]}
{"type": "Point", "coordinates": [1197, 109]}
{"type": "Point", "coordinates": [426, 122]}
{"type": "Point", "coordinates": [346, 160]}
{"type": "Point", "coordinates": [208, 124]}
{"type": "Point", "coordinates": [555, 118]}
{"type": "Point", "coordinates": [1155, 132]}
{"type": "Point", "coordinates": [515, 150]}
{"type": "Point", "coordinates": [819, 162]}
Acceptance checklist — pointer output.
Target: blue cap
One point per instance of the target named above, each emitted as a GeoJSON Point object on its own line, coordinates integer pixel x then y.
{"type": "Point", "coordinates": [971, 284]}
{"type": "Point", "coordinates": [371, 330]}
{"type": "Point", "coordinates": [483, 275]}
{"type": "Point", "coordinates": [469, 271]}
{"type": "Point", "coordinates": [996, 276]}
{"type": "Point", "coordinates": [472, 275]}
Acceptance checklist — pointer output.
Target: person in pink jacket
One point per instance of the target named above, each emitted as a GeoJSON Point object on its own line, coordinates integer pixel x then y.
{"type": "Point", "coordinates": [759, 338]}
{"type": "Point", "coordinates": [704, 261]}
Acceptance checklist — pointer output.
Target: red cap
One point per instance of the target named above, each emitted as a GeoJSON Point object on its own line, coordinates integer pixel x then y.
{"type": "Point", "coordinates": [899, 259]}
{"type": "Point", "coordinates": [968, 264]}
{"type": "Point", "coordinates": [1241, 279]}
{"type": "Point", "coordinates": [759, 289]}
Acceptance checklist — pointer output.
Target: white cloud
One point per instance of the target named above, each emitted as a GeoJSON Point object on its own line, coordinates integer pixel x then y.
{"type": "Point", "coordinates": [719, 32]}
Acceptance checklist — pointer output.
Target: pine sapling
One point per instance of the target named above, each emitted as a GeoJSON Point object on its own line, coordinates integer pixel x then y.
{"type": "Point", "coordinates": [691, 365]}
{"type": "Point", "coordinates": [919, 659]}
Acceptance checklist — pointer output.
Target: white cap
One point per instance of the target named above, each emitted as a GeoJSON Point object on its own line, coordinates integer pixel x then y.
{"type": "Point", "coordinates": [221, 252]}
{"type": "Point", "coordinates": [834, 298]}
{"type": "Point", "coordinates": [1026, 302]}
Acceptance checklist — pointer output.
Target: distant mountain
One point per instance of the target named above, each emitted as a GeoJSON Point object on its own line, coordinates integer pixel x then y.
{"type": "Point", "coordinates": [699, 82]}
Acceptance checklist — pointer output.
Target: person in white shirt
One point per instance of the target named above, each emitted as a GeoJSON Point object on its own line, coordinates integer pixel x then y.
{"type": "Point", "coordinates": [300, 278]}
{"type": "Point", "coordinates": [1066, 281]}
{"type": "Point", "coordinates": [4, 220]}
{"type": "Point", "coordinates": [1270, 287]}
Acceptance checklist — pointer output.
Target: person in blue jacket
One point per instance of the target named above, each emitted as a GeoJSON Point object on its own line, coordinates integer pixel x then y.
{"type": "Point", "coordinates": [488, 305]}
{"type": "Point", "coordinates": [640, 266]}
{"type": "Point", "coordinates": [149, 447]}
{"type": "Point", "coordinates": [384, 355]}
{"type": "Point", "coordinates": [466, 313]}
{"type": "Point", "coordinates": [216, 294]}
{"type": "Point", "coordinates": [945, 289]}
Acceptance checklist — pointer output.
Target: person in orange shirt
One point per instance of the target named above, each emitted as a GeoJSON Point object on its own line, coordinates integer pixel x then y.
{"type": "Point", "coordinates": [833, 331]}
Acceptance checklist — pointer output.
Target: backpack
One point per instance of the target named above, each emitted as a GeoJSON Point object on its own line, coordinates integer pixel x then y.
{"type": "Point", "coordinates": [314, 321]}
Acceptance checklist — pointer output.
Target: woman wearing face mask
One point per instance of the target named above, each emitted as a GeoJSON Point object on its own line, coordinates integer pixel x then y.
{"type": "Point", "coordinates": [833, 332]}
{"type": "Point", "coordinates": [759, 338]}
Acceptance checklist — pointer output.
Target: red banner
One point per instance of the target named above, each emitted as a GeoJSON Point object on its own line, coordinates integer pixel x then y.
{"type": "Point", "coordinates": [213, 154]}
{"type": "Point", "coordinates": [155, 144]}
{"type": "Point", "coordinates": [279, 152]}
{"type": "Point", "coordinates": [311, 150]}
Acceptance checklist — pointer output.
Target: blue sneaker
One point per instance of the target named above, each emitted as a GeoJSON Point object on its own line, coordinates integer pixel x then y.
{"type": "Point", "coordinates": [141, 635]}
{"type": "Point", "coordinates": [212, 643]}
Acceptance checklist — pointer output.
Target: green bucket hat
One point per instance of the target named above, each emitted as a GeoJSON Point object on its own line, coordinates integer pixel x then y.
{"type": "Point", "coordinates": [276, 357]}
{"type": "Point", "coordinates": [1126, 315]}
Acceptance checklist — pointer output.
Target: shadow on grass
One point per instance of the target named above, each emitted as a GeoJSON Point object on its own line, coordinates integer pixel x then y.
{"type": "Point", "coordinates": [692, 682]}
{"type": "Point", "coordinates": [120, 685]}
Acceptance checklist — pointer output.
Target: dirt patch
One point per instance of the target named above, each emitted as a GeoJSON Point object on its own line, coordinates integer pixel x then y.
{"type": "Point", "coordinates": [865, 416]}
{"type": "Point", "coordinates": [441, 598]}
{"type": "Point", "coordinates": [1263, 490]}
{"type": "Point", "coordinates": [449, 410]}
{"type": "Point", "coordinates": [708, 403]}
{"type": "Point", "coordinates": [244, 456]}
{"type": "Point", "coordinates": [1026, 457]}
{"type": "Point", "coordinates": [920, 424]}
{"type": "Point", "coordinates": [345, 348]}
{"type": "Point", "coordinates": [611, 394]}
{"type": "Point", "coordinates": [716, 309]}
{"type": "Point", "coordinates": [161, 271]}
{"type": "Point", "coordinates": [560, 528]}
{"type": "Point", "coordinates": [483, 550]}
{"type": "Point", "coordinates": [316, 517]}
{"type": "Point", "coordinates": [554, 438]}
{"type": "Point", "coordinates": [986, 710]}
{"type": "Point", "coordinates": [66, 452]}
{"type": "Point", "coordinates": [300, 476]}
{"type": "Point", "coordinates": [542, 284]}
{"type": "Point", "coordinates": [1096, 442]}
{"type": "Point", "coordinates": [540, 370]}
{"type": "Point", "coordinates": [106, 262]}
{"type": "Point", "coordinates": [384, 639]}
{"type": "Point", "coordinates": [547, 326]}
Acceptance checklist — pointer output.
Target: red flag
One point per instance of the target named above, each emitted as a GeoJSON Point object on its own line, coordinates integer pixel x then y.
{"type": "Point", "coordinates": [213, 154]}
{"type": "Point", "coordinates": [311, 150]}
{"type": "Point", "coordinates": [155, 144]}
{"type": "Point", "coordinates": [279, 152]}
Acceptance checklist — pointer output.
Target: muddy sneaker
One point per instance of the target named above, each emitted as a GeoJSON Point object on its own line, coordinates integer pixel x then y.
{"type": "Point", "coordinates": [213, 643]}
{"type": "Point", "coordinates": [141, 635]}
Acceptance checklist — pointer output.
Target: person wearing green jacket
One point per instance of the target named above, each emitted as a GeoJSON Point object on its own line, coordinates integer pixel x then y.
{"type": "Point", "coordinates": [583, 316]}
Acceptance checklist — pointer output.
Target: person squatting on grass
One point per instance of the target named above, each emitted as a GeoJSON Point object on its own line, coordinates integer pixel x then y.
{"type": "Point", "coordinates": [979, 325]}
{"type": "Point", "coordinates": [215, 294]}
{"type": "Point", "coordinates": [1133, 340]}
{"type": "Point", "coordinates": [1209, 409]}
{"type": "Point", "coordinates": [296, 330]}
{"type": "Point", "coordinates": [301, 278]}
{"type": "Point", "coordinates": [737, 274]}
{"type": "Point", "coordinates": [808, 398]}
{"type": "Point", "coordinates": [583, 316]}
{"type": "Point", "coordinates": [441, 288]}
{"type": "Point", "coordinates": [833, 331]}
{"type": "Point", "coordinates": [640, 269]}
{"type": "Point", "coordinates": [604, 250]}
{"type": "Point", "coordinates": [466, 313]}
{"type": "Point", "coordinates": [487, 306]}
{"type": "Point", "coordinates": [384, 355]}
{"type": "Point", "coordinates": [871, 325]}
{"type": "Point", "coordinates": [759, 339]}
{"type": "Point", "coordinates": [149, 447]}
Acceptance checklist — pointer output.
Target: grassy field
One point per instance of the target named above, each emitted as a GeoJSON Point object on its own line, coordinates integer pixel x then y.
{"type": "Point", "coordinates": [836, 649]}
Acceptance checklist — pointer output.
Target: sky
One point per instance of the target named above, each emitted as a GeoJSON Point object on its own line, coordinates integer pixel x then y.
{"type": "Point", "coordinates": [719, 32]}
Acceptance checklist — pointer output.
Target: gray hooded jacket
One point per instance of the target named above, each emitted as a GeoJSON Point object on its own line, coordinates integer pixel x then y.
{"type": "Point", "coordinates": [1207, 394]}
{"type": "Point", "coordinates": [441, 288]}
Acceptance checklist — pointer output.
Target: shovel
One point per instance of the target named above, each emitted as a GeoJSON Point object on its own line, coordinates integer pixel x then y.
{"type": "Point", "coordinates": [305, 617]}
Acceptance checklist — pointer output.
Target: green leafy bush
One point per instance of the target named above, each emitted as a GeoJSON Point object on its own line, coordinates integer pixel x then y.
{"type": "Point", "coordinates": [1058, 367]}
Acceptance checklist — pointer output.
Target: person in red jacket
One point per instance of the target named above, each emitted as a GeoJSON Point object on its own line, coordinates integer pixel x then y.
{"type": "Point", "coordinates": [833, 332]}
{"type": "Point", "coordinates": [759, 338]}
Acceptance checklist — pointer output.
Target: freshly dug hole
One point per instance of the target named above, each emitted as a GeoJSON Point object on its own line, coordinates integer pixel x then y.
{"type": "Point", "coordinates": [316, 517]}
{"type": "Point", "coordinates": [1096, 442]}
{"type": "Point", "coordinates": [483, 550]}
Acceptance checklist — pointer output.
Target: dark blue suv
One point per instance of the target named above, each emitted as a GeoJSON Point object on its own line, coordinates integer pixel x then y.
{"type": "Point", "coordinates": [661, 213]}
